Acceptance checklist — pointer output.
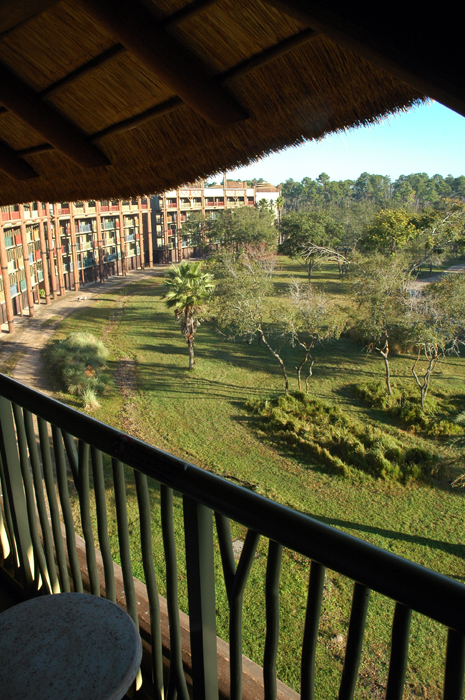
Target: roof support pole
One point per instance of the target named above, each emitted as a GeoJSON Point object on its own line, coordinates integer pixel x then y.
{"type": "Point", "coordinates": [6, 282]}
{"type": "Point", "coordinates": [27, 267]}
{"type": "Point", "coordinates": [51, 256]}
{"type": "Point", "coordinates": [43, 253]}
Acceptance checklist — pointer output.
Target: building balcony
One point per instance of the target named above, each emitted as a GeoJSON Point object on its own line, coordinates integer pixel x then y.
{"type": "Point", "coordinates": [67, 482]}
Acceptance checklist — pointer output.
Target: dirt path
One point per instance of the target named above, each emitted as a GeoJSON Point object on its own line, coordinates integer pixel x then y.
{"type": "Point", "coordinates": [418, 284]}
{"type": "Point", "coordinates": [32, 334]}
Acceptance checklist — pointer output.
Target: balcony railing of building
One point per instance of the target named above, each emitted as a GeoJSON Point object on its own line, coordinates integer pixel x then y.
{"type": "Point", "coordinates": [57, 462]}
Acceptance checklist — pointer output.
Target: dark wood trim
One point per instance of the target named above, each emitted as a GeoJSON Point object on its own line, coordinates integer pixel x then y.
{"type": "Point", "coordinates": [34, 150]}
{"type": "Point", "coordinates": [422, 49]}
{"type": "Point", "coordinates": [12, 164]}
{"type": "Point", "coordinates": [134, 26]}
{"type": "Point", "coordinates": [16, 12]}
{"type": "Point", "coordinates": [186, 12]}
{"type": "Point", "coordinates": [111, 53]}
{"type": "Point", "coordinates": [261, 59]}
{"type": "Point", "coordinates": [18, 97]}
{"type": "Point", "coordinates": [126, 124]}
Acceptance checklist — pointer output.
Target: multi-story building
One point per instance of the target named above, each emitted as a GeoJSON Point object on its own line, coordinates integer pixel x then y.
{"type": "Point", "coordinates": [172, 208]}
{"type": "Point", "coordinates": [48, 248]}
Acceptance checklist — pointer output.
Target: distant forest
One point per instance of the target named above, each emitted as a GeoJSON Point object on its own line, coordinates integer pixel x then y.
{"type": "Point", "coordinates": [415, 192]}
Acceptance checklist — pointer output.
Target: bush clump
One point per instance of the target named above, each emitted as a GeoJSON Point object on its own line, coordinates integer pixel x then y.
{"type": "Point", "coordinates": [328, 435]}
{"type": "Point", "coordinates": [406, 408]}
{"type": "Point", "coordinates": [78, 362]}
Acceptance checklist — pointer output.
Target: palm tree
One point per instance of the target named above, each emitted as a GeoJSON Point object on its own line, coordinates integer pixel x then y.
{"type": "Point", "coordinates": [189, 289]}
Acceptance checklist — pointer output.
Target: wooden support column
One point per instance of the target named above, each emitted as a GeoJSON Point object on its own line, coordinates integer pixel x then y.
{"type": "Point", "coordinates": [178, 226]}
{"type": "Point", "coordinates": [43, 253]}
{"type": "Point", "coordinates": [27, 268]}
{"type": "Point", "coordinates": [72, 233]}
{"type": "Point", "coordinates": [6, 282]}
{"type": "Point", "coordinates": [98, 224]}
{"type": "Point", "coordinates": [51, 256]}
{"type": "Point", "coordinates": [59, 252]}
{"type": "Point", "coordinates": [149, 233]}
{"type": "Point", "coordinates": [141, 235]}
{"type": "Point", "coordinates": [165, 229]}
{"type": "Point", "coordinates": [122, 239]}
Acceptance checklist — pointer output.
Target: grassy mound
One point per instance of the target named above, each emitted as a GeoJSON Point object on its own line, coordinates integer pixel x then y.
{"type": "Point", "coordinates": [78, 363]}
{"type": "Point", "coordinates": [328, 435]}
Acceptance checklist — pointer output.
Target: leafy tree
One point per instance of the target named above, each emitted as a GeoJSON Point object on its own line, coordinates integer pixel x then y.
{"type": "Point", "coordinates": [381, 286]}
{"type": "Point", "coordinates": [189, 291]}
{"type": "Point", "coordinates": [242, 300]}
{"type": "Point", "coordinates": [390, 231]}
{"type": "Point", "coordinates": [436, 320]}
{"type": "Point", "coordinates": [310, 237]}
{"type": "Point", "coordinates": [309, 320]}
{"type": "Point", "coordinates": [438, 230]}
{"type": "Point", "coordinates": [235, 228]}
{"type": "Point", "coordinates": [196, 231]}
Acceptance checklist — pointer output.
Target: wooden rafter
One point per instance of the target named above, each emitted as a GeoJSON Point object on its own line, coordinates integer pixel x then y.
{"type": "Point", "coordinates": [11, 164]}
{"type": "Point", "coordinates": [267, 55]}
{"type": "Point", "coordinates": [415, 47]}
{"type": "Point", "coordinates": [238, 71]}
{"type": "Point", "coordinates": [116, 50]}
{"type": "Point", "coordinates": [18, 98]}
{"type": "Point", "coordinates": [16, 12]}
{"type": "Point", "coordinates": [94, 63]}
{"type": "Point", "coordinates": [133, 25]}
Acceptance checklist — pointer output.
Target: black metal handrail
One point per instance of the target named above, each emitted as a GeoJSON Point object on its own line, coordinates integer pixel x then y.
{"type": "Point", "coordinates": [412, 586]}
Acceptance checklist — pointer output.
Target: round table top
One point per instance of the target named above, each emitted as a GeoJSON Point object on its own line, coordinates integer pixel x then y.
{"type": "Point", "coordinates": [69, 645]}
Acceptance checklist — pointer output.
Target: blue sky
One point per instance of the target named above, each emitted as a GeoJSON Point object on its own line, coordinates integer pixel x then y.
{"type": "Point", "coordinates": [430, 139]}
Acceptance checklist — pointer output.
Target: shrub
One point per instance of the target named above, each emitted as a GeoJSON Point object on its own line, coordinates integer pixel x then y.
{"type": "Point", "coordinates": [406, 408]}
{"type": "Point", "coordinates": [342, 443]}
{"type": "Point", "coordinates": [79, 362]}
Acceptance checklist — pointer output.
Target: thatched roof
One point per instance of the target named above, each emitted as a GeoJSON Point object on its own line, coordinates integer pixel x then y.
{"type": "Point", "coordinates": [112, 98]}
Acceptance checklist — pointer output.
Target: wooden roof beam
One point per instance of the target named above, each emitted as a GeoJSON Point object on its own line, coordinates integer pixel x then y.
{"type": "Point", "coordinates": [19, 99]}
{"type": "Point", "coordinates": [238, 71]}
{"type": "Point", "coordinates": [133, 25]}
{"type": "Point", "coordinates": [173, 103]}
{"type": "Point", "coordinates": [14, 166]}
{"type": "Point", "coordinates": [423, 49]}
{"type": "Point", "coordinates": [17, 12]}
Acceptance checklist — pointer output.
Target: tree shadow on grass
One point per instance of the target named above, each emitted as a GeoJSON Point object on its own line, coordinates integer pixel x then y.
{"type": "Point", "coordinates": [172, 379]}
{"type": "Point", "coordinates": [457, 550]}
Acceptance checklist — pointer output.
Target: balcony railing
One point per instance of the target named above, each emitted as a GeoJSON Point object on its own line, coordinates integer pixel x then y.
{"type": "Point", "coordinates": [56, 461]}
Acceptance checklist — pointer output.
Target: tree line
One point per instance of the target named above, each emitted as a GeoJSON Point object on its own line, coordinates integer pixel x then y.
{"type": "Point", "coordinates": [417, 190]}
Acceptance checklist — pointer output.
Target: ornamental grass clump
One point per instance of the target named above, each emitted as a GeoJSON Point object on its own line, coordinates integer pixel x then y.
{"type": "Point", "coordinates": [343, 444]}
{"type": "Point", "coordinates": [78, 362]}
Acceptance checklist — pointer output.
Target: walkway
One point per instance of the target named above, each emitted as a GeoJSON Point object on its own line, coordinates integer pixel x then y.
{"type": "Point", "coordinates": [32, 334]}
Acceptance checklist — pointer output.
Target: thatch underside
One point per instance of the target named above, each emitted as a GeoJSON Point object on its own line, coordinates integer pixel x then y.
{"type": "Point", "coordinates": [308, 86]}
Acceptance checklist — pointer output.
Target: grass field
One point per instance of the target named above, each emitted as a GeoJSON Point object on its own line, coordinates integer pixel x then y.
{"type": "Point", "coordinates": [201, 417]}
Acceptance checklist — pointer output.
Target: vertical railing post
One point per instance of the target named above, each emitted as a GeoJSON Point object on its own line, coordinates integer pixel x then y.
{"type": "Point", "coordinates": [15, 493]}
{"type": "Point", "coordinates": [198, 531]}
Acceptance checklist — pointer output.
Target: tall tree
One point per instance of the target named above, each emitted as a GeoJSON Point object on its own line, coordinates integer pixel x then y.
{"type": "Point", "coordinates": [242, 301]}
{"type": "Point", "coordinates": [436, 319]}
{"type": "Point", "coordinates": [310, 237]}
{"type": "Point", "coordinates": [381, 285]}
{"type": "Point", "coordinates": [308, 320]}
{"type": "Point", "coordinates": [189, 291]}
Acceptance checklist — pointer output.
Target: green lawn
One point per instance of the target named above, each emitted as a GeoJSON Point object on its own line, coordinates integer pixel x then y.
{"type": "Point", "coordinates": [201, 417]}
